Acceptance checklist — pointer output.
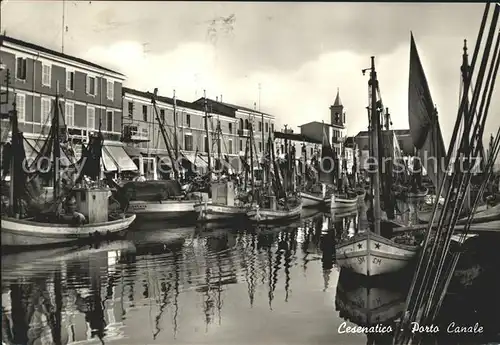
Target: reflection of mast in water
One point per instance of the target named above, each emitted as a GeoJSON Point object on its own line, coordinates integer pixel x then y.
{"type": "Point", "coordinates": [270, 278]}
{"type": "Point", "coordinates": [219, 287]}
{"type": "Point", "coordinates": [290, 239]}
{"type": "Point", "coordinates": [207, 300]}
{"type": "Point", "coordinates": [57, 316]}
{"type": "Point", "coordinates": [328, 255]}
{"type": "Point", "coordinates": [277, 262]}
{"type": "Point", "coordinates": [19, 312]}
{"type": "Point", "coordinates": [177, 272]}
{"type": "Point", "coordinates": [95, 314]}
{"type": "Point", "coordinates": [243, 248]}
{"type": "Point", "coordinates": [252, 268]}
{"type": "Point", "coordinates": [165, 288]}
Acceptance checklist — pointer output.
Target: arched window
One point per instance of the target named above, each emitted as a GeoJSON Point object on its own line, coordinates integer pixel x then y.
{"type": "Point", "coordinates": [247, 124]}
{"type": "Point", "coordinates": [241, 124]}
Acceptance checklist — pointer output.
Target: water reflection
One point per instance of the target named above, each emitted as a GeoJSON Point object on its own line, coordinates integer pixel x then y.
{"type": "Point", "coordinates": [192, 285]}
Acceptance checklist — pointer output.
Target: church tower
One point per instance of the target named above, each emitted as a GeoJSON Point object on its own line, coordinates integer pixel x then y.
{"type": "Point", "coordinates": [337, 114]}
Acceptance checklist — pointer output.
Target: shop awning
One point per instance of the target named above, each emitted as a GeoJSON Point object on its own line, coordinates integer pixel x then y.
{"type": "Point", "coordinates": [108, 162]}
{"type": "Point", "coordinates": [195, 160]}
{"type": "Point", "coordinates": [132, 151]}
{"type": "Point", "coordinates": [120, 157]}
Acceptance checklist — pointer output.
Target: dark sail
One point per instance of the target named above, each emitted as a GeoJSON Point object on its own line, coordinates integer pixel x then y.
{"type": "Point", "coordinates": [326, 165]}
{"type": "Point", "coordinates": [424, 125]}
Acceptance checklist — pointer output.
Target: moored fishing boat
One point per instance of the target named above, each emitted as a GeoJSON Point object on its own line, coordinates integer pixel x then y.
{"type": "Point", "coordinates": [27, 232]}
{"type": "Point", "coordinates": [73, 213]}
{"type": "Point", "coordinates": [223, 206]}
{"type": "Point", "coordinates": [291, 210]}
{"type": "Point", "coordinates": [346, 200]}
{"type": "Point", "coordinates": [371, 254]}
{"type": "Point", "coordinates": [421, 193]}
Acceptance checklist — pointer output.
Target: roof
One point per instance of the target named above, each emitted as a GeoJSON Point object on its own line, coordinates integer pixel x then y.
{"type": "Point", "coordinates": [338, 102]}
{"type": "Point", "coordinates": [398, 132]}
{"type": "Point", "coordinates": [231, 106]}
{"type": "Point", "coordinates": [168, 100]}
{"type": "Point", "coordinates": [296, 137]}
{"type": "Point", "coordinates": [323, 123]}
{"type": "Point", "coordinates": [349, 142]}
{"type": "Point", "coordinates": [53, 52]}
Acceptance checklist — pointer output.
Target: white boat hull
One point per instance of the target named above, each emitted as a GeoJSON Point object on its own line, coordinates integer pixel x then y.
{"type": "Point", "coordinates": [370, 254]}
{"type": "Point", "coordinates": [213, 212]}
{"type": "Point", "coordinates": [168, 209]}
{"type": "Point", "coordinates": [19, 232]}
{"type": "Point", "coordinates": [312, 200]}
{"type": "Point", "coordinates": [342, 202]}
{"type": "Point", "coordinates": [267, 215]}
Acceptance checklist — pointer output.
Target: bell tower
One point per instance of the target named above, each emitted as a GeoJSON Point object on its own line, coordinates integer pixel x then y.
{"type": "Point", "coordinates": [337, 114]}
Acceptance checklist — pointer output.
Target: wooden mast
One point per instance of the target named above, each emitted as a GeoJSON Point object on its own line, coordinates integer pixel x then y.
{"type": "Point", "coordinates": [207, 142]}
{"type": "Point", "coordinates": [375, 124]}
{"type": "Point", "coordinates": [164, 134]}
{"type": "Point", "coordinates": [467, 122]}
{"type": "Point", "coordinates": [176, 142]}
{"type": "Point", "coordinates": [56, 149]}
{"type": "Point", "coordinates": [250, 123]}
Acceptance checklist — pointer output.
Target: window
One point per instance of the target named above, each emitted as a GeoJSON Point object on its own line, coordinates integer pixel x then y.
{"type": "Point", "coordinates": [109, 120]}
{"type": "Point", "coordinates": [91, 86]}
{"type": "Point", "coordinates": [162, 115]}
{"type": "Point", "coordinates": [21, 68]}
{"type": "Point", "coordinates": [110, 90]}
{"type": "Point", "coordinates": [145, 113]}
{"type": "Point", "coordinates": [230, 128]}
{"type": "Point", "coordinates": [46, 74]}
{"type": "Point", "coordinates": [205, 144]}
{"type": "Point", "coordinates": [90, 118]}
{"type": "Point", "coordinates": [69, 116]}
{"type": "Point", "coordinates": [241, 145]}
{"type": "Point", "coordinates": [260, 126]}
{"type": "Point", "coordinates": [188, 120]}
{"type": "Point", "coordinates": [144, 132]}
{"type": "Point", "coordinates": [20, 107]}
{"type": "Point", "coordinates": [241, 124]}
{"type": "Point", "coordinates": [267, 127]}
{"type": "Point", "coordinates": [230, 148]}
{"type": "Point", "coordinates": [45, 111]}
{"type": "Point", "coordinates": [260, 146]}
{"type": "Point", "coordinates": [188, 142]}
{"type": "Point", "coordinates": [272, 127]}
{"type": "Point", "coordinates": [70, 81]}
{"type": "Point", "coordinates": [130, 109]}
{"type": "Point", "coordinates": [247, 124]}
{"type": "Point", "coordinates": [312, 151]}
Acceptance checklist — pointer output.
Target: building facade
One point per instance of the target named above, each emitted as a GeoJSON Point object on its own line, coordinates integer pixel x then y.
{"type": "Point", "coordinates": [90, 97]}
{"type": "Point", "coordinates": [362, 140]}
{"type": "Point", "coordinates": [227, 125]}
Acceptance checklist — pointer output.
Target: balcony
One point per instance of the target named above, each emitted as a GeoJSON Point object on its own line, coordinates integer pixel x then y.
{"type": "Point", "coordinates": [135, 134]}
{"type": "Point", "coordinates": [243, 132]}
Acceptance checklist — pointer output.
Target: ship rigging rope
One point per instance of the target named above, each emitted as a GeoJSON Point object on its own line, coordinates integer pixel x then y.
{"type": "Point", "coordinates": [414, 305]}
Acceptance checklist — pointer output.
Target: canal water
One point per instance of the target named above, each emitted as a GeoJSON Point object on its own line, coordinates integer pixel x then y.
{"type": "Point", "coordinates": [227, 286]}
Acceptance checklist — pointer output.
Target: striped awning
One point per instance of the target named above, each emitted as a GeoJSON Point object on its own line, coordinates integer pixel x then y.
{"type": "Point", "coordinates": [119, 157]}
{"type": "Point", "coordinates": [108, 162]}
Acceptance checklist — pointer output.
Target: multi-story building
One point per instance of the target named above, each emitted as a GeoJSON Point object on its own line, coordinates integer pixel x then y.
{"type": "Point", "coordinates": [362, 140]}
{"type": "Point", "coordinates": [262, 124]}
{"type": "Point", "coordinates": [90, 97]}
{"type": "Point", "coordinates": [304, 145]}
{"type": "Point", "coordinates": [186, 131]}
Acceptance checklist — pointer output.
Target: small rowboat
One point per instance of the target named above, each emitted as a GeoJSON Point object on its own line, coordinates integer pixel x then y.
{"type": "Point", "coordinates": [26, 232]}
{"type": "Point", "coordinates": [343, 200]}
{"type": "Point", "coordinates": [258, 214]}
{"type": "Point", "coordinates": [213, 212]}
{"type": "Point", "coordinates": [418, 194]}
{"type": "Point", "coordinates": [310, 199]}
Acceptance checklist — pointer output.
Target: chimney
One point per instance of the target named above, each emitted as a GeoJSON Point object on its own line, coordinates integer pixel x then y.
{"type": "Point", "coordinates": [221, 98]}
{"type": "Point", "coordinates": [216, 98]}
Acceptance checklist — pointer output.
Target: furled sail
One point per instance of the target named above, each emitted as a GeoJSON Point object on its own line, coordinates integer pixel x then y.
{"type": "Point", "coordinates": [424, 125]}
{"type": "Point", "coordinates": [327, 163]}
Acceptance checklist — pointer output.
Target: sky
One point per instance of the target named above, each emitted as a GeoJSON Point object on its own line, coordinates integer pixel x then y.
{"type": "Point", "coordinates": [299, 53]}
